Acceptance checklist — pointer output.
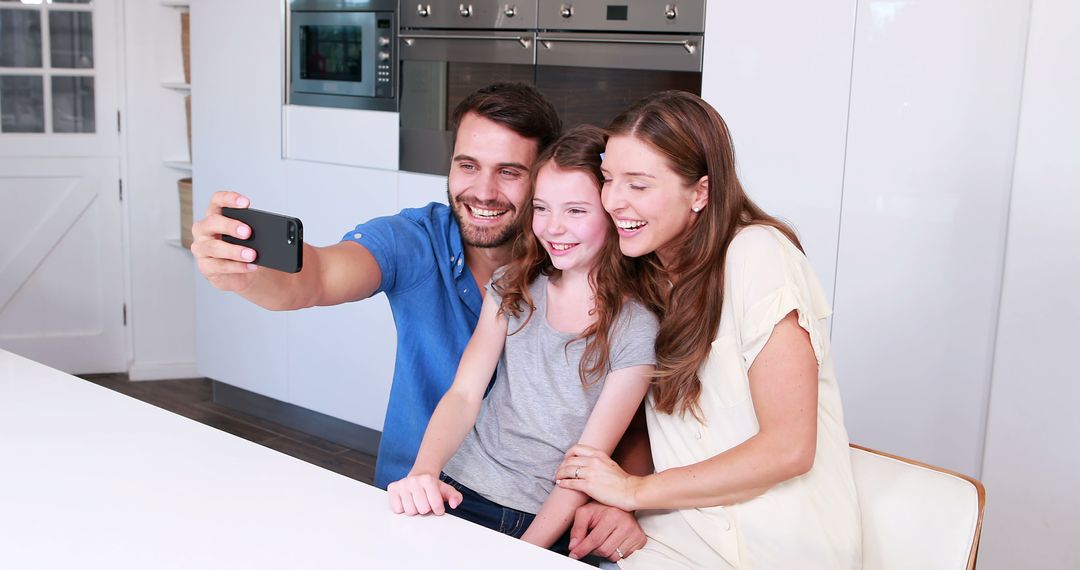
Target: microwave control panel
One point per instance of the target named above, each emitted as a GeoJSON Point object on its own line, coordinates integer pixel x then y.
{"type": "Point", "coordinates": [384, 61]}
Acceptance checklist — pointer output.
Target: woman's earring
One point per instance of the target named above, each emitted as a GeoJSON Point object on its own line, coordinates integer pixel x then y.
{"type": "Point", "coordinates": [696, 209]}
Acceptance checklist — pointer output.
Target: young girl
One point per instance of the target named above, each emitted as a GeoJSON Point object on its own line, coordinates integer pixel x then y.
{"type": "Point", "coordinates": [745, 423]}
{"type": "Point", "coordinates": [572, 356]}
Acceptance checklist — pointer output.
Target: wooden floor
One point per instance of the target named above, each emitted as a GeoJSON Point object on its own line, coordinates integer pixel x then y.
{"type": "Point", "coordinates": [192, 399]}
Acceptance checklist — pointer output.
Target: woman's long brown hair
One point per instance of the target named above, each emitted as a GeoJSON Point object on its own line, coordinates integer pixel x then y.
{"type": "Point", "coordinates": [578, 149]}
{"type": "Point", "coordinates": [694, 139]}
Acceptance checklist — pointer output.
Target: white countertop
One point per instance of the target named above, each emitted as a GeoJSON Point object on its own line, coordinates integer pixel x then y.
{"type": "Point", "coordinates": [90, 478]}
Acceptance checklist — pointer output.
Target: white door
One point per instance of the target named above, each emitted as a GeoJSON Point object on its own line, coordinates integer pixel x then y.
{"type": "Point", "coordinates": [61, 250]}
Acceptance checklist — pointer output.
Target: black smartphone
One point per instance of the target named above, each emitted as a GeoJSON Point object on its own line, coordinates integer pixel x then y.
{"type": "Point", "coordinates": [277, 240]}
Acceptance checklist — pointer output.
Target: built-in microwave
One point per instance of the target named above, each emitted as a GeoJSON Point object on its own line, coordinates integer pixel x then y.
{"type": "Point", "coordinates": [342, 53]}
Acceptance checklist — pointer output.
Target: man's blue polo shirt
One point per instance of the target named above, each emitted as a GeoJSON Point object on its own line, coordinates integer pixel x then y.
{"type": "Point", "coordinates": [436, 304]}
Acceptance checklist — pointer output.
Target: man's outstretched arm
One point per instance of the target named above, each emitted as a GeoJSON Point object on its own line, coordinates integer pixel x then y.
{"type": "Point", "coordinates": [331, 275]}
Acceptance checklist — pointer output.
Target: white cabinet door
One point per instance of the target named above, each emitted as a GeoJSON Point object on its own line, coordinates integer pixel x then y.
{"type": "Point", "coordinates": [236, 62]}
{"type": "Point", "coordinates": [779, 73]}
{"type": "Point", "coordinates": [934, 102]}
{"type": "Point", "coordinates": [61, 284]}
{"type": "Point", "coordinates": [341, 358]}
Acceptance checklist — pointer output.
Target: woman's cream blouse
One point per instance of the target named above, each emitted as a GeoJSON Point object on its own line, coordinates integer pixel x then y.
{"type": "Point", "coordinates": [811, 521]}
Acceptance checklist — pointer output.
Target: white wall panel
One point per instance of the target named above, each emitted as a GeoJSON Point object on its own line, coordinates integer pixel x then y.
{"type": "Point", "coordinates": [1031, 463]}
{"type": "Point", "coordinates": [341, 359]}
{"type": "Point", "coordinates": [779, 73]}
{"type": "Point", "coordinates": [932, 130]}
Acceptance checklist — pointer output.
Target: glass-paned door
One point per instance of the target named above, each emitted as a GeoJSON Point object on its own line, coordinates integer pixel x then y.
{"type": "Point", "coordinates": [62, 288]}
{"type": "Point", "coordinates": [57, 76]}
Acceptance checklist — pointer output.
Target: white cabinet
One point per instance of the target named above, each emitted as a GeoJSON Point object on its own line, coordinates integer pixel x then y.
{"type": "Point", "coordinates": [779, 74]}
{"type": "Point", "coordinates": [416, 190]}
{"type": "Point", "coordinates": [341, 359]}
{"type": "Point", "coordinates": [350, 137]}
{"type": "Point", "coordinates": [1031, 463]}
{"type": "Point", "coordinates": [237, 146]}
{"type": "Point", "coordinates": [885, 133]}
{"type": "Point", "coordinates": [931, 135]}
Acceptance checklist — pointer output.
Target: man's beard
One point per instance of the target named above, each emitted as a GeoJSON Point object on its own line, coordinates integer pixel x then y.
{"type": "Point", "coordinates": [483, 237]}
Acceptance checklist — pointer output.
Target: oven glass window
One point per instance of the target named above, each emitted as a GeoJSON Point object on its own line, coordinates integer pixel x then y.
{"type": "Point", "coordinates": [431, 90]}
{"type": "Point", "coordinates": [331, 53]}
{"type": "Point", "coordinates": [589, 95]}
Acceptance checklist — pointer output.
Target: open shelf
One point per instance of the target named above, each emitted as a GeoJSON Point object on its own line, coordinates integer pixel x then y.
{"type": "Point", "coordinates": [175, 242]}
{"type": "Point", "coordinates": [179, 164]}
{"type": "Point", "coordinates": [177, 85]}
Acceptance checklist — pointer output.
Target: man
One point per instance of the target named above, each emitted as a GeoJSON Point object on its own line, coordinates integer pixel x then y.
{"type": "Point", "coordinates": [432, 263]}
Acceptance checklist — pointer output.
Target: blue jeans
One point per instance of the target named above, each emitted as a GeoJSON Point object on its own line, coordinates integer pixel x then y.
{"type": "Point", "coordinates": [476, 509]}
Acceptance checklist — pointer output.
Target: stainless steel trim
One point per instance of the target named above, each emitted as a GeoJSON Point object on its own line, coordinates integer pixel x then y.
{"type": "Point", "coordinates": [668, 52]}
{"type": "Point", "coordinates": [490, 47]}
{"type": "Point", "coordinates": [690, 46]}
{"type": "Point", "coordinates": [286, 66]}
{"type": "Point", "coordinates": [410, 39]}
{"type": "Point", "coordinates": [343, 5]}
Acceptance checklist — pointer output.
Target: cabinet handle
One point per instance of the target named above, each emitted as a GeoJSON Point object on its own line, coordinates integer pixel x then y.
{"type": "Point", "coordinates": [423, 11]}
{"type": "Point", "coordinates": [410, 39]}
{"type": "Point", "coordinates": [464, 10]}
{"type": "Point", "coordinates": [689, 46]}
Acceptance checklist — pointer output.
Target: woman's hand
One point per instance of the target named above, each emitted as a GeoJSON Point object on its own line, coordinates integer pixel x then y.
{"type": "Point", "coordinates": [421, 494]}
{"type": "Point", "coordinates": [592, 472]}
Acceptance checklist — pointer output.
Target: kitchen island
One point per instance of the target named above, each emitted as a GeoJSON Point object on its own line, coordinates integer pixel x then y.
{"type": "Point", "coordinates": [90, 478]}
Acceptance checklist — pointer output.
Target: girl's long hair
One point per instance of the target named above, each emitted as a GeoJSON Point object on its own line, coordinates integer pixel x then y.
{"type": "Point", "coordinates": [694, 139]}
{"type": "Point", "coordinates": [578, 149]}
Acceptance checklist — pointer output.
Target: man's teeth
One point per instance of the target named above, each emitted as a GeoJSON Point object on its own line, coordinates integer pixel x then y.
{"type": "Point", "coordinates": [482, 213]}
{"type": "Point", "coordinates": [630, 224]}
{"type": "Point", "coordinates": [562, 246]}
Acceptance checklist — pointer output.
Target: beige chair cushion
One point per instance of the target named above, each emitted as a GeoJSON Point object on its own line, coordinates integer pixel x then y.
{"type": "Point", "coordinates": [914, 516]}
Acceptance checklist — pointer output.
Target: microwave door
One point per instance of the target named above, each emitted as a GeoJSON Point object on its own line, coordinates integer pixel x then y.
{"type": "Point", "coordinates": [334, 53]}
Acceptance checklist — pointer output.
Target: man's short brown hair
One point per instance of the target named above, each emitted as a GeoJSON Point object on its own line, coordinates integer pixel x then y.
{"type": "Point", "coordinates": [519, 107]}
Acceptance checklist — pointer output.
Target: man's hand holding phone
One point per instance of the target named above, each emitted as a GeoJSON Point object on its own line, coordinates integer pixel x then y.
{"type": "Point", "coordinates": [227, 266]}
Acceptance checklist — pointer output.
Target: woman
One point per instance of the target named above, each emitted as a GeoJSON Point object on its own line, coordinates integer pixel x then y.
{"type": "Point", "coordinates": [745, 422]}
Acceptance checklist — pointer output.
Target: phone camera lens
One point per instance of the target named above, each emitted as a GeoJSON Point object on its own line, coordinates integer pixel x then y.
{"type": "Point", "coordinates": [291, 238]}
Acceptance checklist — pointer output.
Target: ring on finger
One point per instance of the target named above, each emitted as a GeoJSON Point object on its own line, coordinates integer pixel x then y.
{"type": "Point", "coordinates": [618, 551]}
{"type": "Point", "coordinates": [576, 470]}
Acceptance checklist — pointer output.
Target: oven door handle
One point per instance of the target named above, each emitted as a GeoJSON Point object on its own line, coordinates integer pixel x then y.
{"type": "Point", "coordinates": [410, 39]}
{"type": "Point", "coordinates": [691, 47]}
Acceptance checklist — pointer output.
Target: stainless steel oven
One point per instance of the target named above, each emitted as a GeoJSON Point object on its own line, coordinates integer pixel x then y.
{"type": "Point", "coordinates": [595, 58]}
{"type": "Point", "coordinates": [342, 53]}
{"type": "Point", "coordinates": [448, 50]}
{"type": "Point", "coordinates": [592, 58]}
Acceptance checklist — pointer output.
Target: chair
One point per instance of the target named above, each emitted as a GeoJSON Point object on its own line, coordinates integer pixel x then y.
{"type": "Point", "coordinates": [915, 515]}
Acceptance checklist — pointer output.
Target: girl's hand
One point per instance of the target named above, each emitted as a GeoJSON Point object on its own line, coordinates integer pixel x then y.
{"type": "Point", "coordinates": [421, 494]}
{"type": "Point", "coordinates": [592, 472]}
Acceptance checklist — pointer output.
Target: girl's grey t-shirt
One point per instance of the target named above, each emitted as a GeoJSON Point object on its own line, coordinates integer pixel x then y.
{"type": "Point", "coordinates": [537, 407]}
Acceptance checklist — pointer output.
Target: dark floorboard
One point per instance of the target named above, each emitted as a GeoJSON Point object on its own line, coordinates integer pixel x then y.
{"type": "Point", "coordinates": [194, 399]}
